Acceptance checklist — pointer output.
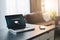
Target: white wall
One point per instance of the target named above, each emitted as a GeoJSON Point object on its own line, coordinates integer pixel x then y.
{"type": "Point", "coordinates": [2, 14]}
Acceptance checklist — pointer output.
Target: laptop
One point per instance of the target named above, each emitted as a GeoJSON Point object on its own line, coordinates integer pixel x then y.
{"type": "Point", "coordinates": [17, 23]}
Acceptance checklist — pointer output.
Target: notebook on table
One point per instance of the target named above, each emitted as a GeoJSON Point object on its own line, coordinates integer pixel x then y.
{"type": "Point", "coordinates": [17, 23]}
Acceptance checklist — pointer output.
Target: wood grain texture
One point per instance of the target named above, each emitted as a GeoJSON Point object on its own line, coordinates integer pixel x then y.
{"type": "Point", "coordinates": [35, 5]}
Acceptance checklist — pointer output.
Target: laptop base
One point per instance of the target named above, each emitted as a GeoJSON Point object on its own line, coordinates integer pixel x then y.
{"type": "Point", "coordinates": [22, 30]}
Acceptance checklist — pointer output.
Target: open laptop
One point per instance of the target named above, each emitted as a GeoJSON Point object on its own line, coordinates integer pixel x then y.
{"type": "Point", "coordinates": [17, 23]}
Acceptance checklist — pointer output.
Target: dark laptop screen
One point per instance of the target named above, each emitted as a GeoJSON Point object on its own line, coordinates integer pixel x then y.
{"type": "Point", "coordinates": [15, 21]}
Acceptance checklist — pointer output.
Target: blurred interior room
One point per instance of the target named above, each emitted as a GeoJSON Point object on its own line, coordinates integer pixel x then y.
{"type": "Point", "coordinates": [42, 15]}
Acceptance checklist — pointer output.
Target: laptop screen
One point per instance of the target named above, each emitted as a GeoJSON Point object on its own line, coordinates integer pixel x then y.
{"type": "Point", "coordinates": [15, 21]}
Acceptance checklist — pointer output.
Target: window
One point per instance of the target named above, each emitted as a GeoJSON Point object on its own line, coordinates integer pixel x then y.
{"type": "Point", "coordinates": [49, 5]}
{"type": "Point", "coordinates": [18, 6]}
